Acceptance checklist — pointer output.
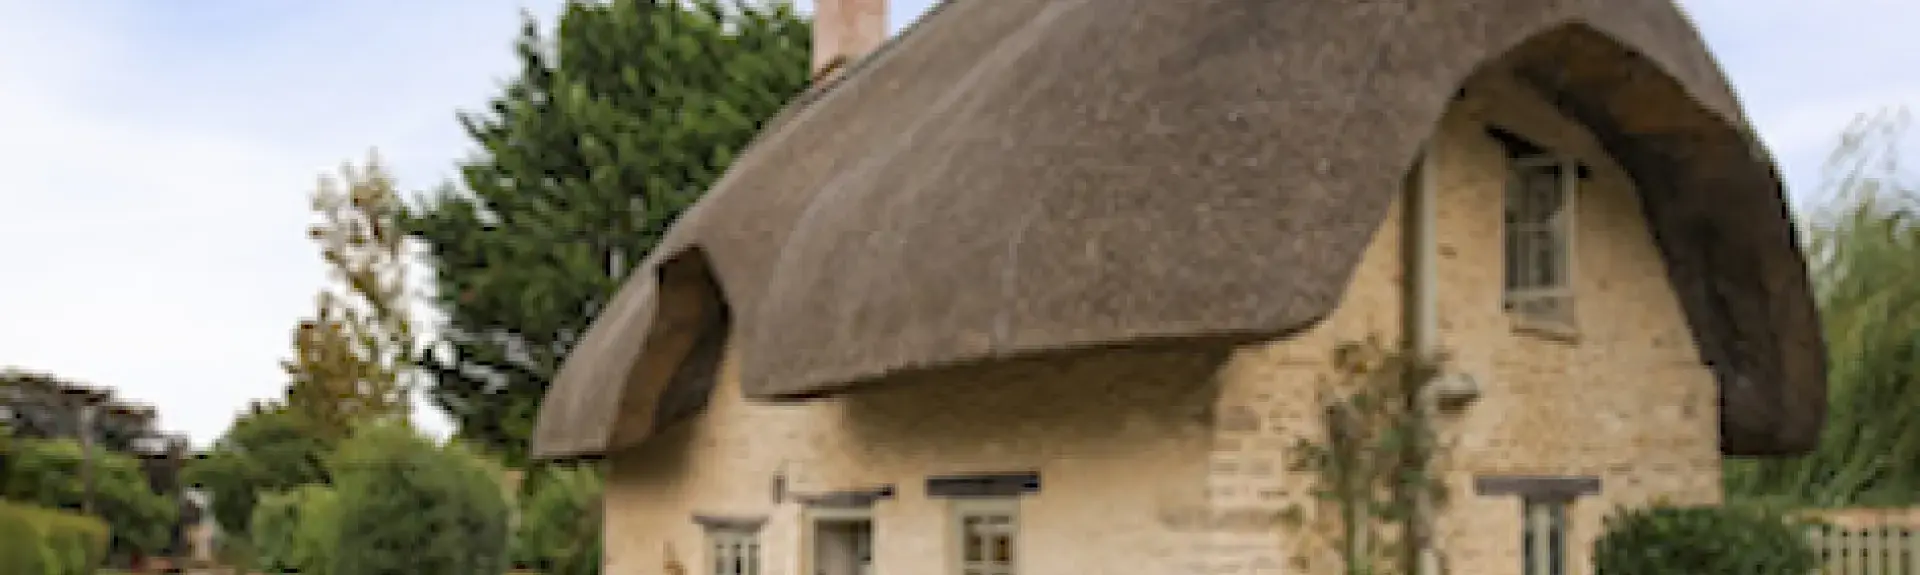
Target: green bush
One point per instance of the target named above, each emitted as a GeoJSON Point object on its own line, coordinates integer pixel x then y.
{"type": "Point", "coordinates": [38, 541]}
{"type": "Point", "coordinates": [1735, 540]}
{"type": "Point", "coordinates": [45, 472]}
{"type": "Point", "coordinates": [559, 522]}
{"type": "Point", "coordinates": [407, 505]}
{"type": "Point", "coordinates": [294, 531]}
{"type": "Point", "coordinates": [266, 451]}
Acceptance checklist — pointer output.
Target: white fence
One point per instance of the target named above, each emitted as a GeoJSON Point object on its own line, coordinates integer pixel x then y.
{"type": "Point", "coordinates": [1868, 541]}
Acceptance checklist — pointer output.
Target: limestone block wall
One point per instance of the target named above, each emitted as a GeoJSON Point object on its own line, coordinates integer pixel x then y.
{"type": "Point", "coordinates": [1622, 397]}
{"type": "Point", "coordinates": [1175, 461]}
{"type": "Point", "coordinates": [1120, 443]}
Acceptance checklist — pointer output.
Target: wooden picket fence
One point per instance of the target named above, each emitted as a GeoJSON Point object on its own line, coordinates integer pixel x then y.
{"type": "Point", "coordinates": [1868, 541]}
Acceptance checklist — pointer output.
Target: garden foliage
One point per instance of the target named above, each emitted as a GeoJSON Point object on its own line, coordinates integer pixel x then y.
{"type": "Point", "coordinates": [41, 541]}
{"type": "Point", "coordinates": [407, 505]}
{"type": "Point", "coordinates": [1734, 540]}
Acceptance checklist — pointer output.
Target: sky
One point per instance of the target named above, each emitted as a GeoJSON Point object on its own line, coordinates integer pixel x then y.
{"type": "Point", "coordinates": [157, 158]}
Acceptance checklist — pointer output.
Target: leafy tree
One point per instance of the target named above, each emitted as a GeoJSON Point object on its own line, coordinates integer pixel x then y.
{"type": "Point", "coordinates": [45, 406]}
{"type": "Point", "coordinates": [603, 138]}
{"type": "Point", "coordinates": [406, 505]}
{"type": "Point", "coordinates": [296, 531]}
{"type": "Point", "coordinates": [351, 357]}
{"type": "Point", "coordinates": [268, 449]}
{"type": "Point", "coordinates": [559, 529]}
{"type": "Point", "coordinates": [1864, 249]}
{"type": "Point", "coordinates": [44, 472]}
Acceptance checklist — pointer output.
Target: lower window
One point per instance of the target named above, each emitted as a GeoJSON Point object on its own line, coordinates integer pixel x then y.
{"type": "Point", "coordinates": [734, 552]}
{"type": "Point", "coordinates": [988, 536]}
{"type": "Point", "coordinates": [1544, 537]}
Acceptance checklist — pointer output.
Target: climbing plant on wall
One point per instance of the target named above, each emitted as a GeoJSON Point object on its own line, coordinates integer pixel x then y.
{"type": "Point", "coordinates": [1374, 458]}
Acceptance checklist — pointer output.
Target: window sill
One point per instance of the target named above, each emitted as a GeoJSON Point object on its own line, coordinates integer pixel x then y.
{"type": "Point", "coordinates": [1550, 330]}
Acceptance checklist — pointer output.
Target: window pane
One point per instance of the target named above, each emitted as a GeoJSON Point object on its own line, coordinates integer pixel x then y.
{"type": "Point", "coordinates": [1527, 547]}
{"type": "Point", "coordinates": [1557, 539]}
{"type": "Point", "coordinates": [1544, 538]}
{"type": "Point", "coordinates": [1535, 237]}
{"type": "Point", "coordinates": [1003, 549]}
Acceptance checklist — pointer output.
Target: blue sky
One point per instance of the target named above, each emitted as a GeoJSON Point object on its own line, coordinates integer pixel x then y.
{"type": "Point", "coordinates": [158, 156]}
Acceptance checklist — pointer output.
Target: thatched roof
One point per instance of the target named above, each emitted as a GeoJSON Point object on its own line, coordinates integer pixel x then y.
{"type": "Point", "coordinates": [1013, 177]}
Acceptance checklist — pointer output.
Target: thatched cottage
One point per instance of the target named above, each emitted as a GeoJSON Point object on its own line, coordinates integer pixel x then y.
{"type": "Point", "coordinates": [1051, 287]}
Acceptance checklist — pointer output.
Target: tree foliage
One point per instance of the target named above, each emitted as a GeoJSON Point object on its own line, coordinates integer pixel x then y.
{"type": "Point", "coordinates": [1864, 250]}
{"type": "Point", "coordinates": [44, 406]}
{"type": "Point", "coordinates": [46, 473]}
{"type": "Point", "coordinates": [559, 527]}
{"type": "Point", "coordinates": [350, 358]}
{"type": "Point", "coordinates": [296, 531]}
{"type": "Point", "coordinates": [407, 505]}
{"type": "Point", "coordinates": [606, 134]}
{"type": "Point", "coordinates": [268, 449]}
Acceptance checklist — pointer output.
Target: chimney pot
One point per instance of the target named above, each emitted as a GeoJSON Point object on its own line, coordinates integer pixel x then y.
{"type": "Point", "coordinates": [845, 31]}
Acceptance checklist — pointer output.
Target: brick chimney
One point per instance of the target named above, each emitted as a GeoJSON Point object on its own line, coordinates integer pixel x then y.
{"type": "Point", "coordinates": [845, 31]}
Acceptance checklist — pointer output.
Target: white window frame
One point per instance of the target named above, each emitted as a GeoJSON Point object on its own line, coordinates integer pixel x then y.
{"type": "Point", "coordinates": [1544, 532]}
{"type": "Point", "coordinates": [964, 508]}
{"type": "Point", "coordinates": [813, 516]}
{"type": "Point", "coordinates": [733, 551]}
{"type": "Point", "coordinates": [1524, 302]}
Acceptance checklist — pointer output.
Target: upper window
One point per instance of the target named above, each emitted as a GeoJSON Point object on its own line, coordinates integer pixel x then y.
{"type": "Point", "coordinates": [1539, 239]}
{"type": "Point", "coordinates": [1544, 538]}
{"type": "Point", "coordinates": [988, 536]}
{"type": "Point", "coordinates": [734, 551]}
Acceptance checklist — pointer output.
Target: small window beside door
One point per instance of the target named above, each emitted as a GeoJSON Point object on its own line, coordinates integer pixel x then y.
{"type": "Point", "coordinates": [1543, 538]}
{"type": "Point", "coordinates": [987, 534]}
{"type": "Point", "coordinates": [733, 551]}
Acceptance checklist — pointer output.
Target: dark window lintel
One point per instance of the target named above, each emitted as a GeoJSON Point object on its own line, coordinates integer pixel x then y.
{"type": "Point", "coordinates": [1546, 487]}
{"type": "Point", "coordinates": [983, 485]}
{"type": "Point", "coordinates": [847, 498]}
{"type": "Point", "coordinates": [730, 522]}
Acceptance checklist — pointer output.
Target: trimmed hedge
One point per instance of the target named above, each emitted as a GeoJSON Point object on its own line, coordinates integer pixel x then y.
{"type": "Point", "coordinates": [1733, 540]}
{"type": "Point", "coordinates": [39, 541]}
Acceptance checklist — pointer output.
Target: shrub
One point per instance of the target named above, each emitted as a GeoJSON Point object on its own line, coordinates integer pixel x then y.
{"type": "Point", "coordinates": [44, 472]}
{"type": "Point", "coordinates": [37, 541]}
{"type": "Point", "coordinates": [1669, 540]}
{"type": "Point", "coordinates": [266, 451]}
{"type": "Point", "coordinates": [407, 505]}
{"type": "Point", "coordinates": [559, 526]}
{"type": "Point", "coordinates": [295, 531]}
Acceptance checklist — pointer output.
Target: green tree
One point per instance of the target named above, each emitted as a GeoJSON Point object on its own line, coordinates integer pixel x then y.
{"type": "Point", "coordinates": [44, 472]}
{"type": "Point", "coordinates": [406, 505]}
{"type": "Point", "coordinates": [268, 449]}
{"type": "Point", "coordinates": [1864, 250]}
{"type": "Point", "coordinates": [351, 358]}
{"type": "Point", "coordinates": [603, 138]}
{"type": "Point", "coordinates": [559, 528]}
{"type": "Point", "coordinates": [45, 406]}
{"type": "Point", "coordinates": [295, 531]}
